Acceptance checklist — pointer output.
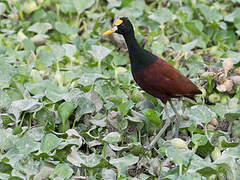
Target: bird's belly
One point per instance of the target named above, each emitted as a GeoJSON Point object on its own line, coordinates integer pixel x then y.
{"type": "Point", "coordinates": [146, 86]}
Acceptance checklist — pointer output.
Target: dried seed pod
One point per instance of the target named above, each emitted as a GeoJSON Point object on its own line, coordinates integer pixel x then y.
{"type": "Point", "coordinates": [237, 71]}
{"type": "Point", "coordinates": [235, 79]}
{"type": "Point", "coordinates": [226, 86]}
{"type": "Point", "coordinates": [214, 122]}
{"type": "Point", "coordinates": [227, 65]}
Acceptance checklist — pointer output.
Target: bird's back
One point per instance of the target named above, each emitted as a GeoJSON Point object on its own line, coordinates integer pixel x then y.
{"type": "Point", "coordinates": [163, 81]}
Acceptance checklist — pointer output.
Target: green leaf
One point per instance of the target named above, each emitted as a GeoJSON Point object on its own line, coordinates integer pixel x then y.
{"type": "Point", "coordinates": [220, 109]}
{"type": "Point", "coordinates": [237, 22]}
{"type": "Point", "coordinates": [58, 51]}
{"type": "Point", "coordinates": [27, 145]}
{"type": "Point", "coordinates": [65, 28]}
{"type": "Point", "coordinates": [210, 14]}
{"type": "Point", "coordinates": [27, 105]}
{"type": "Point", "coordinates": [162, 15]}
{"type": "Point", "coordinates": [125, 107]}
{"type": "Point", "coordinates": [3, 8]}
{"type": "Point", "coordinates": [178, 156]}
{"type": "Point", "coordinates": [199, 139]}
{"type": "Point", "coordinates": [65, 110]}
{"type": "Point", "coordinates": [124, 162]}
{"type": "Point", "coordinates": [81, 6]}
{"type": "Point", "coordinates": [63, 171]}
{"type": "Point", "coordinates": [4, 99]}
{"type": "Point", "coordinates": [227, 37]}
{"type": "Point", "coordinates": [86, 106]}
{"type": "Point", "coordinates": [70, 50]}
{"type": "Point", "coordinates": [87, 79]}
{"type": "Point", "coordinates": [108, 174]}
{"type": "Point", "coordinates": [28, 45]}
{"type": "Point", "coordinates": [40, 28]}
{"type": "Point", "coordinates": [201, 114]}
{"type": "Point", "coordinates": [194, 26]}
{"type": "Point", "coordinates": [49, 143]}
{"type": "Point", "coordinates": [7, 139]}
{"type": "Point", "coordinates": [113, 137]}
{"type": "Point", "coordinates": [153, 117]}
{"type": "Point", "coordinates": [99, 52]}
{"type": "Point", "coordinates": [45, 58]}
{"type": "Point", "coordinates": [226, 144]}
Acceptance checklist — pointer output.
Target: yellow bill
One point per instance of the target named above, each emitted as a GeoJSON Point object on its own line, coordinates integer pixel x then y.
{"type": "Point", "coordinates": [117, 23]}
{"type": "Point", "coordinates": [110, 31]}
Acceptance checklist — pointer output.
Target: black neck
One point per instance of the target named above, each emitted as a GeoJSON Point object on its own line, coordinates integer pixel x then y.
{"type": "Point", "coordinates": [132, 43]}
{"type": "Point", "coordinates": [139, 57]}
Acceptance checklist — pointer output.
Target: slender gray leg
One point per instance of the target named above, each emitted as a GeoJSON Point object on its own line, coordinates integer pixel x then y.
{"type": "Point", "coordinates": [177, 119]}
{"type": "Point", "coordinates": [167, 123]}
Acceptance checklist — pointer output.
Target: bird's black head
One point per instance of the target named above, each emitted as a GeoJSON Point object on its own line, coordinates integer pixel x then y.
{"type": "Point", "coordinates": [122, 26]}
{"type": "Point", "coordinates": [125, 27]}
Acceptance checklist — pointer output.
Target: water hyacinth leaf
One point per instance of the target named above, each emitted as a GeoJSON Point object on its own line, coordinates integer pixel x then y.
{"type": "Point", "coordinates": [28, 45]}
{"type": "Point", "coordinates": [152, 116]}
{"type": "Point", "coordinates": [210, 14]}
{"type": "Point", "coordinates": [124, 162]}
{"type": "Point", "coordinates": [40, 28]}
{"type": "Point", "coordinates": [70, 50]}
{"type": "Point", "coordinates": [49, 143]}
{"type": "Point", "coordinates": [220, 109]}
{"type": "Point", "coordinates": [226, 144]}
{"type": "Point", "coordinates": [199, 139]}
{"type": "Point", "coordinates": [95, 98]}
{"type": "Point", "coordinates": [162, 15]}
{"type": "Point", "coordinates": [201, 114]}
{"type": "Point", "coordinates": [195, 26]}
{"type": "Point", "coordinates": [113, 137]}
{"type": "Point", "coordinates": [86, 106]}
{"type": "Point", "coordinates": [81, 6]}
{"type": "Point", "coordinates": [63, 171]}
{"type": "Point", "coordinates": [7, 139]}
{"type": "Point", "coordinates": [44, 172]}
{"type": "Point", "coordinates": [58, 51]}
{"type": "Point", "coordinates": [45, 58]}
{"type": "Point", "coordinates": [179, 156]}
{"type": "Point", "coordinates": [125, 107]}
{"type": "Point", "coordinates": [113, 3]}
{"type": "Point", "coordinates": [3, 8]}
{"type": "Point", "coordinates": [27, 145]}
{"type": "Point", "coordinates": [189, 46]}
{"type": "Point", "coordinates": [108, 174]}
{"type": "Point", "coordinates": [5, 100]}
{"type": "Point", "coordinates": [55, 93]}
{"type": "Point", "coordinates": [230, 17]}
{"type": "Point", "coordinates": [27, 105]}
{"type": "Point", "coordinates": [227, 37]}
{"type": "Point", "coordinates": [99, 52]}
{"type": "Point", "coordinates": [87, 79]}
{"type": "Point", "coordinates": [65, 28]}
{"type": "Point", "coordinates": [202, 166]}
{"type": "Point", "coordinates": [232, 152]}
{"type": "Point", "coordinates": [78, 159]}
{"type": "Point", "coordinates": [36, 133]}
{"type": "Point", "coordinates": [65, 110]}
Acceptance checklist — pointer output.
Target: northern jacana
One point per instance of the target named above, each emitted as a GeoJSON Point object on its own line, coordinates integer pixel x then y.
{"type": "Point", "coordinates": [154, 75]}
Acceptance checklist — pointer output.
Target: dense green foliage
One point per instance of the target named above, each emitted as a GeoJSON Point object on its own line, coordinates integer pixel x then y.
{"type": "Point", "coordinates": [69, 107]}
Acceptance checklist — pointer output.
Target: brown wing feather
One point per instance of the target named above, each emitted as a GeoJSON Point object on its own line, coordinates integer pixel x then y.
{"type": "Point", "coordinates": [163, 81]}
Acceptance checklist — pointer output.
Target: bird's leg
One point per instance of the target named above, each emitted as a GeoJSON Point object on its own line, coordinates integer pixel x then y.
{"type": "Point", "coordinates": [167, 123]}
{"type": "Point", "coordinates": [177, 119]}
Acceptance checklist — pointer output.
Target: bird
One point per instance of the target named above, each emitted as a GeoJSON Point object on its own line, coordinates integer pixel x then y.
{"type": "Point", "coordinates": [154, 75]}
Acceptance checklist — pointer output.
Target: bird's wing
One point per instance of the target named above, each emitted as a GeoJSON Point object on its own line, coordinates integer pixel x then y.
{"type": "Point", "coordinates": [162, 77]}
